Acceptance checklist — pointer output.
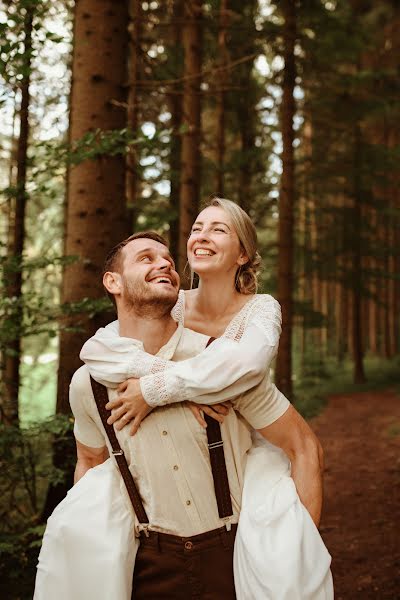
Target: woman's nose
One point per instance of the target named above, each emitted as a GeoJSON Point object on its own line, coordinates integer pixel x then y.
{"type": "Point", "coordinates": [203, 237]}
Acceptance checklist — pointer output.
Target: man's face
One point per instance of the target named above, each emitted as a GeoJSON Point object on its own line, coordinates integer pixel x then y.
{"type": "Point", "coordinates": [148, 276]}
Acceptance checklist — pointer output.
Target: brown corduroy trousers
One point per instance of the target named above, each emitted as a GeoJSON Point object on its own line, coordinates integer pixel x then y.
{"type": "Point", "coordinates": [195, 568]}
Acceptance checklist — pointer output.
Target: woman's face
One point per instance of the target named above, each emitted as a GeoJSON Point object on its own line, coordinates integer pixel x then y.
{"type": "Point", "coordinates": [213, 245]}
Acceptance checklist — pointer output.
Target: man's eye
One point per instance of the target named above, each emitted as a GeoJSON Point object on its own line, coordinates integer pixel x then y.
{"type": "Point", "coordinates": [145, 259]}
{"type": "Point", "coordinates": [195, 229]}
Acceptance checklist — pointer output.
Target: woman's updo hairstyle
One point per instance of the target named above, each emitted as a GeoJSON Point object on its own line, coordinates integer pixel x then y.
{"type": "Point", "coordinates": [246, 281]}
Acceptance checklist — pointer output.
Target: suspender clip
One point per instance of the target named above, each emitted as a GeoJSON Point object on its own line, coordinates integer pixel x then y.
{"type": "Point", "coordinates": [145, 528]}
{"type": "Point", "coordinates": [228, 523]}
{"type": "Point", "coordinates": [119, 452]}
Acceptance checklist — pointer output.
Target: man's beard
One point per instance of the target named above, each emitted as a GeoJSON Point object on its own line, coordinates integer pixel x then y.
{"type": "Point", "coordinates": [145, 302]}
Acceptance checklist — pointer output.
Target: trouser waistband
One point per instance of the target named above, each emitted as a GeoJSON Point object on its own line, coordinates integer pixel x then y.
{"type": "Point", "coordinates": [200, 542]}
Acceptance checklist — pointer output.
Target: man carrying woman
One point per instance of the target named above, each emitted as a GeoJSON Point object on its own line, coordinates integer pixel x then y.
{"type": "Point", "coordinates": [168, 454]}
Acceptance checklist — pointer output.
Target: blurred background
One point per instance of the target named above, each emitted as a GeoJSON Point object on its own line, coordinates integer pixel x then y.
{"type": "Point", "coordinates": [123, 116]}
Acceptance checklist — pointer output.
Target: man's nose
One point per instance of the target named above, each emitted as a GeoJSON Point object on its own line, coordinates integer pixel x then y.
{"type": "Point", "coordinates": [164, 264]}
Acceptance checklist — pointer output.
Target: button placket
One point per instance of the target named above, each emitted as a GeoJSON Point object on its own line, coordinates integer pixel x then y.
{"type": "Point", "coordinates": [178, 473]}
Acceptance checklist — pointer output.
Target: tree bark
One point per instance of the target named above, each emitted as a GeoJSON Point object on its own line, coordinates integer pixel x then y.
{"type": "Point", "coordinates": [12, 360]}
{"type": "Point", "coordinates": [132, 180]}
{"type": "Point", "coordinates": [357, 329]}
{"type": "Point", "coordinates": [96, 208]}
{"type": "Point", "coordinates": [96, 212]}
{"type": "Point", "coordinates": [174, 100]}
{"type": "Point", "coordinates": [191, 138]}
{"type": "Point", "coordinates": [283, 375]}
{"type": "Point", "coordinates": [220, 108]}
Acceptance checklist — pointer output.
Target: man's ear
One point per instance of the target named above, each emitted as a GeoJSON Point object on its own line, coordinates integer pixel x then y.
{"type": "Point", "coordinates": [112, 282]}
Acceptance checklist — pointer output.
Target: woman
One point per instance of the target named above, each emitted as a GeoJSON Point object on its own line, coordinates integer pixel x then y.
{"type": "Point", "coordinates": [278, 553]}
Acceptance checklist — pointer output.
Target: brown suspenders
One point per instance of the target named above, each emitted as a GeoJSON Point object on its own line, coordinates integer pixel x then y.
{"type": "Point", "coordinates": [218, 464]}
{"type": "Point", "coordinates": [215, 448]}
{"type": "Point", "coordinates": [101, 397]}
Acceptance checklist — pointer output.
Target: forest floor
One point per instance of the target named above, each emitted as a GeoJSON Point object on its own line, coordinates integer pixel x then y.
{"type": "Point", "coordinates": [360, 433]}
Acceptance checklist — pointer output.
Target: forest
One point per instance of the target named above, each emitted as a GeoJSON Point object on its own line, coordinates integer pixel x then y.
{"type": "Point", "coordinates": [122, 116]}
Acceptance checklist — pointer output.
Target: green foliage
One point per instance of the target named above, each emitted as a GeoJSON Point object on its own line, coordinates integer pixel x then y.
{"type": "Point", "coordinates": [27, 470]}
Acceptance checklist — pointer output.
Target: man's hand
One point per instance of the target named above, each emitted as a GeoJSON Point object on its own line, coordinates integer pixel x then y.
{"type": "Point", "coordinates": [130, 406]}
{"type": "Point", "coordinates": [216, 411]}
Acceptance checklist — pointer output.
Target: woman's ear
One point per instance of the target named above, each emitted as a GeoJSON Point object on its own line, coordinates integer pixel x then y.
{"type": "Point", "coordinates": [243, 259]}
{"type": "Point", "coordinates": [112, 282]}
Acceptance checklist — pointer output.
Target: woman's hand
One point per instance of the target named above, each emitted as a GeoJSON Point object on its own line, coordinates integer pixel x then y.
{"type": "Point", "coordinates": [216, 411]}
{"type": "Point", "coordinates": [130, 406]}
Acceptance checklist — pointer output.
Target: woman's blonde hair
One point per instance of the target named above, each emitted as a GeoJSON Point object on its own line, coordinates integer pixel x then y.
{"type": "Point", "coordinates": [246, 281]}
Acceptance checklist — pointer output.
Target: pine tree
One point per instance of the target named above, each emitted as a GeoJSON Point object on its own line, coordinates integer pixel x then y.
{"type": "Point", "coordinates": [96, 215]}
{"type": "Point", "coordinates": [12, 357]}
{"type": "Point", "coordinates": [191, 137]}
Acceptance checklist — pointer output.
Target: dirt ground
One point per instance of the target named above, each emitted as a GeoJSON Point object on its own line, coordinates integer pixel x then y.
{"type": "Point", "coordinates": [360, 434]}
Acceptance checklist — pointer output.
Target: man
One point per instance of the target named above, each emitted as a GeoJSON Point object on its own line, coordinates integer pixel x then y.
{"type": "Point", "coordinates": [168, 456]}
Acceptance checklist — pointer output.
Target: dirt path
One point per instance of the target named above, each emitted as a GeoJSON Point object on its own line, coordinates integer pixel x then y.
{"type": "Point", "coordinates": [360, 434]}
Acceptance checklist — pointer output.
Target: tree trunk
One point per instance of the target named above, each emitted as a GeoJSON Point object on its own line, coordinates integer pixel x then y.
{"type": "Point", "coordinates": [220, 108]}
{"type": "Point", "coordinates": [357, 330]}
{"type": "Point", "coordinates": [96, 213]}
{"type": "Point", "coordinates": [12, 360]}
{"type": "Point", "coordinates": [132, 180]}
{"type": "Point", "coordinates": [174, 100]}
{"type": "Point", "coordinates": [191, 139]}
{"type": "Point", "coordinates": [96, 208]}
{"type": "Point", "coordinates": [286, 203]}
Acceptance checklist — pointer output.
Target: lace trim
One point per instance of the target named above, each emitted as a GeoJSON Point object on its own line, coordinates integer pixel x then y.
{"type": "Point", "coordinates": [154, 389]}
{"type": "Point", "coordinates": [159, 364]}
{"type": "Point", "coordinates": [268, 317]}
{"type": "Point", "coordinates": [264, 311]}
{"type": "Point", "coordinates": [146, 364]}
{"type": "Point", "coordinates": [142, 364]}
{"type": "Point", "coordinates": [236, 327]}
{"type": "Point", "coordinates": [157, 392]}
{"type": "Point", "coordinates": [178, 312]}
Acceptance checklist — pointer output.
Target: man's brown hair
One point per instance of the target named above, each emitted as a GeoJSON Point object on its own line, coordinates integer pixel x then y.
{"type": "Point", "coordinates": [113, 260]}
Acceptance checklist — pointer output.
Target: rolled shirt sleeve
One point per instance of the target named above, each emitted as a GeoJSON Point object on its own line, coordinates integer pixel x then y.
{"type": "Point", "coordinates": [86, 430]}
{"type": "Point", "coordinates": [262, 405]}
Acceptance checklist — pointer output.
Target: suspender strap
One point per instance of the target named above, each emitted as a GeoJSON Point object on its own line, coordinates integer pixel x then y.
{"type": "Point", "coordinates": [101, 398]}
{"type": "Point", "coordinates": [218, 464]}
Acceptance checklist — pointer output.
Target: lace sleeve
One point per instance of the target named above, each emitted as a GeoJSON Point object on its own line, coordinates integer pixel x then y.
{"type": "Point", "coordinates": [233, 364]}
{"type": "Point", "coordinates": [230, 366]}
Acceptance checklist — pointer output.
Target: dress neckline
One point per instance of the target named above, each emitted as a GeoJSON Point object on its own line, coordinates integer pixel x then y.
{"type": "Point", "coordinates": [234, 325]}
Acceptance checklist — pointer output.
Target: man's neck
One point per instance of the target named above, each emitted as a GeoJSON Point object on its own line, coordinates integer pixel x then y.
{"type": "Point", "coordinates": [153, 332]}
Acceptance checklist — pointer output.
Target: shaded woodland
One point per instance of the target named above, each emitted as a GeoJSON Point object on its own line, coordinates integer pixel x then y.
{"type": "Point", "coordinates": [122, 116]}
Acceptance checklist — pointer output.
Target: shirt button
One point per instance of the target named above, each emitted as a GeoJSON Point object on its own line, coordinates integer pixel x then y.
{"type": "Point", "coordinates": [176, 467]}
{"type": "Point", "coordinates": [188, 545]}
{"type": "Point", "coordinates": [165, 432]}
{"type": "Point", "coordinates": [188, 502]}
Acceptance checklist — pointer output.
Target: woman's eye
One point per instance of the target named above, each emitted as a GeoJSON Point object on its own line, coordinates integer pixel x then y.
{"type": "Point", "coordinates": [220, 229]}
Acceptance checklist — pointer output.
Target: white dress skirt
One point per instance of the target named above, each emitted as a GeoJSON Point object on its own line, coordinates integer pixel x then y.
{"type": "Point", "coordinates": [89, 546]}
